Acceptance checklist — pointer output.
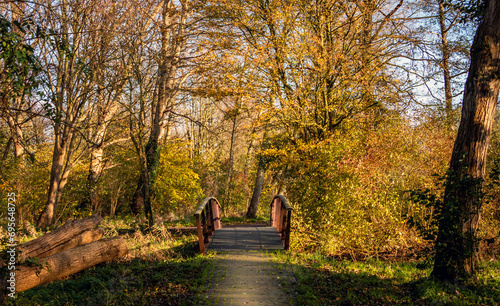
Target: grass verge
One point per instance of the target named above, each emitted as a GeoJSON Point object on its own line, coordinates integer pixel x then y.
{"type": "Point", "coordinates": [322, 280]}
{"type": "Point", "coordinates": [162, 268]}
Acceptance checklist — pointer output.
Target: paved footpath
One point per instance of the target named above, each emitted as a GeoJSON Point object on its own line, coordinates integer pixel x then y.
{"type": "Point", "coordinates": [248, 278]}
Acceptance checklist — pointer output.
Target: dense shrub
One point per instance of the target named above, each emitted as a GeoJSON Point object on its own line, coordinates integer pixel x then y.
{"type": "Point", "coordinates": [177, 187]}
{"type": "Point", "coordinates": [350, 190]}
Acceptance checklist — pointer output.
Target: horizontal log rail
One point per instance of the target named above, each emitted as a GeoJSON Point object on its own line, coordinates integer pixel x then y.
{"type": "Point", "coordinates": [208, 220]}
{"type": "Point", "coordinates": [281, 216]}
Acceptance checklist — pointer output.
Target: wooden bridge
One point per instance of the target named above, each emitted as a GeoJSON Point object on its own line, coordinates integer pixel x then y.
{"type": "Point", "coordinates": [211, 235]}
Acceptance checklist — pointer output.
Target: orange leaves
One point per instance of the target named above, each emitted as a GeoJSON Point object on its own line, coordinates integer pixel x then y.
{"type": "Point", "coordinates": [349, 189]}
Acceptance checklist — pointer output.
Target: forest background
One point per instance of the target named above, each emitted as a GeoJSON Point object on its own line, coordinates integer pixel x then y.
{"type": "Point", "coordinates": [146, 107]}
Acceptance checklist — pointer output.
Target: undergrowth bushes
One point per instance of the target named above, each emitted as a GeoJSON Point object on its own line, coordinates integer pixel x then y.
{"type": "Point", "coordinates": [338, 213]}
{"type": "Point", "coordinates": [350, 191]}
{"type": "Point", "coordinates": [161, 268]}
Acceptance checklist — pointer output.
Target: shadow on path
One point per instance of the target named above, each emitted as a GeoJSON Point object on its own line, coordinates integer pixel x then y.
{"type": "Point", "coordinates": [248, 278]}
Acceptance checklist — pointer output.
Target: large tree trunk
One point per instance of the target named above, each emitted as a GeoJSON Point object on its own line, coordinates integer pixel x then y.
{"type": "Point", "coordinates": [63, 132]}
{"type": "Point", "coordinates": [58, 156]}
{"type": "Point", "coordinates": [70, 86]}
{"type": "Point", "coordinates": [109, 88]}
{"type": "Point", "coordinates": [172, 33]}
{"type": "Point", "coordinates": [15, 118]}
{"type": "Point", "coordinates": [73, 233]}
{"type": "Point", "coordinates": [61, 167]}
{"type": "Point", "coordinates": [69, 262]}
{"type": "Point", "coordinates": [459, 217]}
{"type": "Point", "coordinates": [15, 121]}
{"type": "Point", "coordinates": [104, 117]}
{"type": "Point", "coordinates": [257, 190]}
{"type": "Point", "coordinates": [46, 218]}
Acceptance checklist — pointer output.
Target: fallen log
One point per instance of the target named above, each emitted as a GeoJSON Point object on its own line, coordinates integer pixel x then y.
{"type": "Point", "coordinates": [72, 234]}
{"type": "Point", "coordinates": [86, 237]}
{"type": "Point", "coordinates": [69, 262]}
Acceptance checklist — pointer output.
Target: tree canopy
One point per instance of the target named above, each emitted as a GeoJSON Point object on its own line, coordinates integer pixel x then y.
{"type": "Point", "coordinates": [350, 108]}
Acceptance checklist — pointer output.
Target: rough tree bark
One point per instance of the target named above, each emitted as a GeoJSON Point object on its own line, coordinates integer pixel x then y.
{"type": "Point", "coordinates": [456, 250]}
{"type": "Point", "coordinates": [110, 76]}
{"type": "Point", "coordinates": [73, 233]}
{"type": "Point", "coordinates": [60, 169]}
{"type": "Point", "coordinates": [69, 262]}
{"type": "Point", "coordinates": [97, 162]}
{"type": "Point", "coordinates": [71, 92]}
{"type": "Point", "coordinates": [56, 182]}
{"type": "Point", "coordinates": [14, 118]}
{"type": "Point", "coordinates": [172, 40]}
{"type": "Point", "coordinates": [257, 190]}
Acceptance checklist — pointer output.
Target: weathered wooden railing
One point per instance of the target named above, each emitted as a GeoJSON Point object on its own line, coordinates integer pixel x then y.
{"type": "Point", "coordinates": [207, 220]}
{"type": "Point", "coordinates": [281, 215]}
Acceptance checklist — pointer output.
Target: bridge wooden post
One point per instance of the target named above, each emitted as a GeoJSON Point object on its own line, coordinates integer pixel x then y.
{"type": "Point", "coordinates": [288, 228]}
{"type": "Point", "coordinates": [216, 214]}
{"type": "Point", "coordinates": [281, 215]}
{"type": "Point", "coordinates": [206, 228]}
{"type": "Point", "coordinates": [208, 220]}
{"type": "Point", "coordinates": [276, 217]}
{"type": "Point", "coordinates": [273, 214]}
{"type": "Point", "coordinates": [279, 208]}
{"type": "Point", "coordinates": [201, 241]}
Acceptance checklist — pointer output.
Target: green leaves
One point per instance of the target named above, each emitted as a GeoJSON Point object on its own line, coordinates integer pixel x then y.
{"type": "Point", "coordinates": [18, 62]}
{"type": "Point", "coordinates": [177, 186]}
{"type": "Point", "coordinates": [472, 10]}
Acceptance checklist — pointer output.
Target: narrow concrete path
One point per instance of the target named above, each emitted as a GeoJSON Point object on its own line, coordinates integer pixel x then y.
{"type": "Point", "coordinates": [248, 278]}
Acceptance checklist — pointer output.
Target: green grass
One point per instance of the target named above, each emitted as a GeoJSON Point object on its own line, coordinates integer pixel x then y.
{"type": "Point", "coordinates": [161, 269]}
{"type": "Point", "coordinates": [164, 268]}
{"type": "Point", "coordinates": [186, 222]}
{"type": "Point", "coordinates": [484, 291]}
{"type": "Point", "coordinates": [134, 282]}
{"type": "Point", "coordinates": [322, 280]}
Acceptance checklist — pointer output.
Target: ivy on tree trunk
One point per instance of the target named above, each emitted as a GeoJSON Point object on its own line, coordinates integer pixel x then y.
{"type": "Point", "coordinates": [456, 243]}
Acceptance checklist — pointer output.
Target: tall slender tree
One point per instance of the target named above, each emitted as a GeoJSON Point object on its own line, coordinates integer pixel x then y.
{"type": "Point", "coordinates": [110, 69]}
{"type": "Point", "coordinates": [172, 28]}
{"type": "Point", "coordinates": [19, 71]}
{"type": "Point", "coordinates": [69, 84]}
